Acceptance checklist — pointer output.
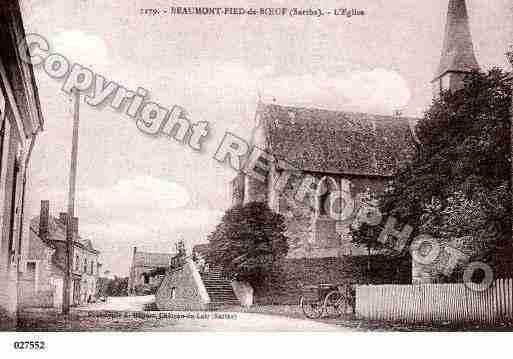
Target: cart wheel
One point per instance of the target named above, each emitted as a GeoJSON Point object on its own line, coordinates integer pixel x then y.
{"type": "Point", "coordinates": [335, 304]}
{"type": "Point", "coordinates": [312, 309]}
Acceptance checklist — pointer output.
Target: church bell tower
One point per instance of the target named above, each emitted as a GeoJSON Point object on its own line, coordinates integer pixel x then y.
{"type": "Point", "coordinates": [458, 58]}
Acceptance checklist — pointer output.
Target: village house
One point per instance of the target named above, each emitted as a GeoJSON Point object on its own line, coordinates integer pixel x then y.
{"type": "Point", "coordinates": [141, 278]}
{"type": "Point", "coordinates": [20, 122]}
{"type": "Point", "coordinates": [42, 283]}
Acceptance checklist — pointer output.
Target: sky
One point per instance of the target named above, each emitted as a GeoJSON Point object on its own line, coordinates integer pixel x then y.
{"type": "Point", "coordinates": [136, 190]}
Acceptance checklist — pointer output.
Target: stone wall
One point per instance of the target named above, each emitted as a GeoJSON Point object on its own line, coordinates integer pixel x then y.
{"type": "Point", "coordinates": [189, 292]}
{"type": "Point", "coordinates": [283, 285]}
{"type": "Point", "coordinates": [39, 299]}
{"type": "Point", "coordinates": [244, 292]}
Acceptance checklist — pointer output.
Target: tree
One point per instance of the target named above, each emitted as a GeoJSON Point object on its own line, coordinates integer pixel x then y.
{"type": "Point", "coordinates": [117, 287]}
{"type": "Point", "coordinates": [459, 182]}
{"type": "Point", "coordinates": [248, 241]}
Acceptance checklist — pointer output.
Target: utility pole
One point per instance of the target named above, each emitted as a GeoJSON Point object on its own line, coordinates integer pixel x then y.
{"type": "Point", "coordinates": [71, 204]}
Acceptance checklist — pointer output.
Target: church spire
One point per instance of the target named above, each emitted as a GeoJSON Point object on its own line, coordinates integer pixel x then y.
{"type": "Point", "coordinates": [458, 56]}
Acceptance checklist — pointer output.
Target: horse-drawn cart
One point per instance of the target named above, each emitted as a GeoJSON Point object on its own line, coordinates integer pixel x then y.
{"type": "Point", "coordinates": [326, 299]}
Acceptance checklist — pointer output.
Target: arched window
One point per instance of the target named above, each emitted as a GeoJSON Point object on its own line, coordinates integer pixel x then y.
{"type": "Point", "coordinates": [173, 293]}
{"type": "Point", "coordinates": [324, 203]}
{"type": "Point", "coordinates": [326, 186]}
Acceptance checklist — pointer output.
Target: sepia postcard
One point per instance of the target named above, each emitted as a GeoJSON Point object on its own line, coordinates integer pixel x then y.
{"type": "Point", "coordinates": [255, 166]}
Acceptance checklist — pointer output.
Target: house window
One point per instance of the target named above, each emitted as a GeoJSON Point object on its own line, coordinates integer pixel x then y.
{"type": "Point", "coordinates": [92, 267]}
{"type": "Point", "coordinates": [77, 263]}
{"type": "Point", "coordinates": [173, 293]}
{"type": "Point", "coordinates": [31, 275]}
{"type": "Point", "coordinates": [85, 265]}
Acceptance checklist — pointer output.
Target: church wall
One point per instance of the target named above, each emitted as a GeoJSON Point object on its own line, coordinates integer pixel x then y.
{"type": "Point", "coordinates": [316, 236]}
{"type": "Point", "coordinates": [317, 254]}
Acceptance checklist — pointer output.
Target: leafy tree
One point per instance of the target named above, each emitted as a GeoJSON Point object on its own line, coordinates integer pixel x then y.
{"type": "Point", "coordinates": [458, 185]}
{"type": "Point", "coordinates": [248, 241]}
{"type": "Point", "coordinates": [102, 286]}
{"type": "Point", "coordinates": [117, 287]}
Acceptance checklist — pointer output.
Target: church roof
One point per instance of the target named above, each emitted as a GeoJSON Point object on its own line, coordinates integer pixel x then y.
{"type": "Point", "coordinates": [458, 50]}
{"type": "Point", "coordinates": [317, 140]}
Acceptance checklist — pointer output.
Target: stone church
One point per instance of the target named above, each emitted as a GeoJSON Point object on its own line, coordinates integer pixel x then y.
{"type": "Point", "coordinates": [356, 153]}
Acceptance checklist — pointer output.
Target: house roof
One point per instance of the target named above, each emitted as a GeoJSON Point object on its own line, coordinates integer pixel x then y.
{"type": "Point", "coordinates": [19, 72]}
{"type": "Point", "coordinates": [318, 140]}
{"type": "Point", "coordinates": [57, 233]}
{"type": "Point", "coordinates": [458, 50]}
{"type": "Point", "coordinates": [152, 259]}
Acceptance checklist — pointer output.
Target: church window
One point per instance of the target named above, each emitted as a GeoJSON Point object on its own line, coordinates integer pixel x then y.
{"type": "Point", "coordinates": [324, 204]}
{"type": "Point", "coordinates": [327, 185]}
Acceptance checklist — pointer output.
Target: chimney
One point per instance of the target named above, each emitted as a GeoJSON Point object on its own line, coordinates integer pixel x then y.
{"type": "Point", "coordinates": [74, 225]}
{"type": "Point", "coordinates": [43, 219]}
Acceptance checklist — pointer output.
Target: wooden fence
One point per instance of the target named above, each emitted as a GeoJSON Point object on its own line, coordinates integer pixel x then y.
{"type": "Point", "coordinates": [436, 302]}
